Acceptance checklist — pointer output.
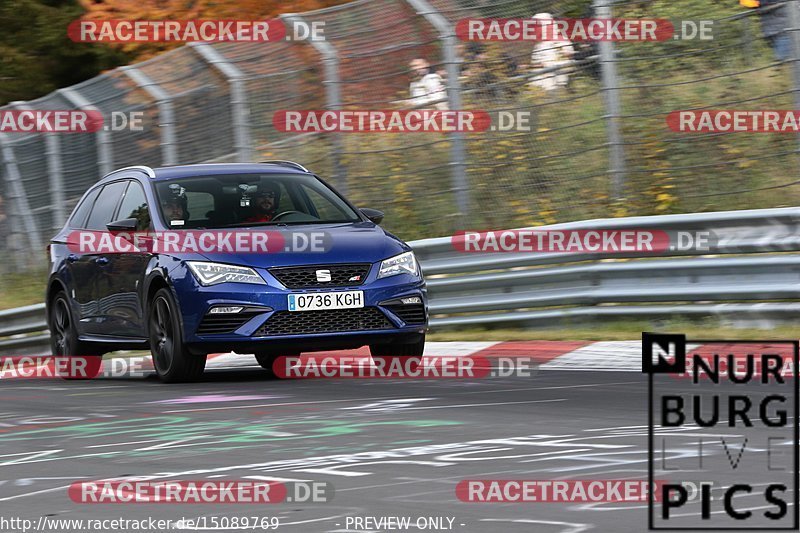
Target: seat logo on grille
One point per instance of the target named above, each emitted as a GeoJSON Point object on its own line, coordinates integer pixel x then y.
{"type": "Point", "coordinates": [323, 275]}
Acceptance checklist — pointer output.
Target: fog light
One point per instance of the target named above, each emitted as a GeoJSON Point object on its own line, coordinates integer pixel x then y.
{"type": "Point", "coordinates": [411, 300]}
{"type": "Point", "coordinates": [226, 310]}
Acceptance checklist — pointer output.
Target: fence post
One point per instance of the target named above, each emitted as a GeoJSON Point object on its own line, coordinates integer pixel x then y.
{"type": "Point", "coordinates": [239, 104]}
{"type": "Point", "coordinates": [610, 81]}
{"type": "Point", "coordinates": [166, 112]}
{"type": "Point", "coordinates": [794, 28]}
{"type": "Point", "coordinates": [55, 174]}
{"type": "Point", "coordinates": [105, 160]}
{"type": "Point", "coordinates": [19, 209]}
{"type": "Point", "coordinates": [333, 98]}
{"type": "Point", "coordinates": [453, 67]}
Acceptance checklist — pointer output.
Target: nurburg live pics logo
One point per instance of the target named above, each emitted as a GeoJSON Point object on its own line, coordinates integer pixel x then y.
{"type": "Point", "coordinates": [723, 433]}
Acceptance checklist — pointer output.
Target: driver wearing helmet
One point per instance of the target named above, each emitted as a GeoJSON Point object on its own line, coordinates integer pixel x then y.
{"type": "Point", "coordinates": [265, 203]}
{"type": "Point", "coordinates": [174, 205]}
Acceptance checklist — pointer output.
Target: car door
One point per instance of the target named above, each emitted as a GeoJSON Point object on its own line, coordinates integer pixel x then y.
{"type": "Point", "coordinates": [120, 305]}
{"type": "Point", "coordinates": [97, 264]}
{"type": "Point", "coordinates": [81, 268]}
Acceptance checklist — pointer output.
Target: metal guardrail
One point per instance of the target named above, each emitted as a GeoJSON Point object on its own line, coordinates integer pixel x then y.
{"type": "Point", "coordinates": [749, 274]}
{"type": "Point", "coordinates": [23, 331]}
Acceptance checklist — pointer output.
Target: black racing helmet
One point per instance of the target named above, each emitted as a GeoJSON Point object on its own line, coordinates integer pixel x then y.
{"type": "Point", "coordinates": [269, 188]}
{"type": "Point", "coordinates": [176, 196]}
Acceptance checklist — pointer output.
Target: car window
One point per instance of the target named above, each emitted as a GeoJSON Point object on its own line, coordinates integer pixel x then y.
{"type": "Point", "coordinates": [105, 205]}
{"type": "Point", "coordinates": [134, 205]}
{"type": "Point", "coordinates": [238, 200]}
{"type": "Point", "coordinates": [78, 219]}
{"type": "Point", "coordinates": [199, 205]}
{"type": "Point", "coordinates": [325, 209]}
{"type": "Point", "coordinates": [286, 203]}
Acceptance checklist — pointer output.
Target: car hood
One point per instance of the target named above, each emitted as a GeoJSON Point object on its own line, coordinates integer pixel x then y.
{"type": "Point", "coordinates": [360, 242]}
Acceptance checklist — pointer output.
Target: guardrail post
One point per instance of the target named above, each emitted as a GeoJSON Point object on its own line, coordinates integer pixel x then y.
{"type": "Point", "coordinates": [239, 104]}
{"type": "Point", "coordinates": [333, 98]}
{"type": "Point", "coordinates": [608, 72]}
{"type": "Point", "coordinates": [105, 160]}
{"type": "Point", "coordinates": [166, 112]}
{"type": "Point", "coordinates": [55, 174]}
{"type": "Point", "coordinates": [19, 209]}
{"type": "Point", "coordinates": [453, 67]}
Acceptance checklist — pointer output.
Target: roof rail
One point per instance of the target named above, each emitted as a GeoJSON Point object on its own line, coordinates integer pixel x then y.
{"type": "Point", "coordinates": [147, 170]}
{"type": "Point", "coordinates": [285, 163]}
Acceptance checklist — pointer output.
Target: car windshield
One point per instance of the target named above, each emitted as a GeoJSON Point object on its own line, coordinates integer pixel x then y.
{"type": "Point", "coordinates": [242, 200]}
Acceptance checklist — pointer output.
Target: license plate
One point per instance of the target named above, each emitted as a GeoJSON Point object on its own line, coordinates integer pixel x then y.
{"type": "Point", "coordinates": [326, 300]}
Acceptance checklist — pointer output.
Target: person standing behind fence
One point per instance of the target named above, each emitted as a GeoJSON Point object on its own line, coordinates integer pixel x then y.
{"type": "Point", "coordinates": [555, 55]}
{"type": "Point", "coordinates": [426, 87]}
{"type": "Point", "coordinates": [774, 25]}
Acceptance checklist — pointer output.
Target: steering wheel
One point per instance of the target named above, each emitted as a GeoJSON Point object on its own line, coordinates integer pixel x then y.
{"type": "Point", "coordinates": [279, 215]}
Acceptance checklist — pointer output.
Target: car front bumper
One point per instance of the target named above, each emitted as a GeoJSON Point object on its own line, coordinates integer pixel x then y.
{"type": "Point", "coordinates": [263, 302]}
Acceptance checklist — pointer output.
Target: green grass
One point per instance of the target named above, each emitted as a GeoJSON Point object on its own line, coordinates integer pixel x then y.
{"type": "Point", "coordinates": [22, 288]}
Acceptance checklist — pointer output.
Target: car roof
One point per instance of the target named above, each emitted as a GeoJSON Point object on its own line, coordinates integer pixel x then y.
{"type": "Point", "coordinates": [210, 169]}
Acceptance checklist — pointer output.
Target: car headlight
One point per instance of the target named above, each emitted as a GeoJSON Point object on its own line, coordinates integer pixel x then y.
{"type": "Point", "coordinates": [214, 273]}
{"type": "Point", "coordinates": [404, 263]}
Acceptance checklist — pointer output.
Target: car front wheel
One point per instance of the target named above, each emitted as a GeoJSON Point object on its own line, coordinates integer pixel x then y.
{"type": "Point", "coordinates": [172, 360]}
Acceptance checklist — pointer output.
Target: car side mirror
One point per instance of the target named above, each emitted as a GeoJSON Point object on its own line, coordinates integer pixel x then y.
{"type": "Point", "coordinates": [125, 224]}
{"type": "Point", "coordinates": [373, 214]}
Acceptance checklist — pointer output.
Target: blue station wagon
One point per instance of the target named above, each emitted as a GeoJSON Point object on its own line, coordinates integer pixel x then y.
{"type": "Point", "coordinates": [361, 286]}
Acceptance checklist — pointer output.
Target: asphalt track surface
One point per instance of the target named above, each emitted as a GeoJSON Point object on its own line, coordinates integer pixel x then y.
{"type": "Point", "coordinates": [389, 447]}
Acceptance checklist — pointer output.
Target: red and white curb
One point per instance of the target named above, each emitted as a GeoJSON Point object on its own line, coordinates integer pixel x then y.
{"type": "Point", "coordinates": [551, 355]}
{"type": "Point", "coordinates": [608, 356]}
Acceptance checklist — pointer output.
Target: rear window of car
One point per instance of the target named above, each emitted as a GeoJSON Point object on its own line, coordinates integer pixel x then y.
{"type": "Point", "coordinates": [105, 205]}
{"type": "Point", "coordinates": [78, 219]}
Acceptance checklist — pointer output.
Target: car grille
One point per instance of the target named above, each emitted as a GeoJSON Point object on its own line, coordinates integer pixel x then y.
{"type": "Point", "coordinates": [225, 323]}
{"type": "Point", "coordinates": [306, 277]}
{"type": "Point", "coordinates": [328, 321]}
{"type": "Point", "coordinates": [410, 314]}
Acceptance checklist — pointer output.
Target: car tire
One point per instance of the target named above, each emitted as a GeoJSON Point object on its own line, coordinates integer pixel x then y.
{"type": "Point", "coordinates": [398, 350]}
{"type": "Point", "coordinates": [267, 359]}
{"type": "Point", "coordinates": [172, 360]}
{"type": "Point", "coordinates": [63, 333]}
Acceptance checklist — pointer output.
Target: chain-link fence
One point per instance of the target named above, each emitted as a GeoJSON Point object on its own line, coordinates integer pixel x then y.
{"type": "Point", "coordinates": [599, 144]}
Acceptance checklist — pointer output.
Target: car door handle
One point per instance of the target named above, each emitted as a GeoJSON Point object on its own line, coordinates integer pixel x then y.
{"type": "Point", "coordinates": [71, 258]}
{"type": "Point", "coordinates": [102, 261]}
